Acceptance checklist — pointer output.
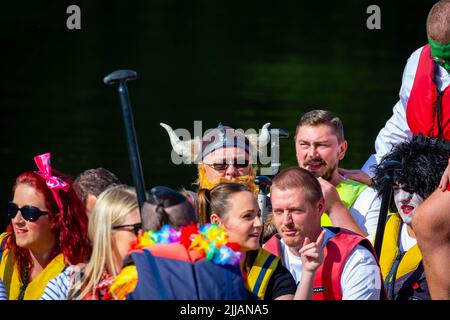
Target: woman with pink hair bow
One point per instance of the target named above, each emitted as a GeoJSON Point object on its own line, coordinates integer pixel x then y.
{"type": "Point", "coordinates": [48, 231]}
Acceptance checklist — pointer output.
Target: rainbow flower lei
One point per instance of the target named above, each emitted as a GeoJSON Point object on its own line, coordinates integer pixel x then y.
{"type": "Point", "coordinates": [210, 240]}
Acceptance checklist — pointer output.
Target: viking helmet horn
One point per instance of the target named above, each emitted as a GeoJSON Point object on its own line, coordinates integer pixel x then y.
{"type": "Point", "coordinates": [264, 136]}
{"type": "Point", "coordinates": [180, 147]}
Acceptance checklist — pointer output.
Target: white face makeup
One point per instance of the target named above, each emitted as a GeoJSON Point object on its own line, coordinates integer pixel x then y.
{"type": "Point", "coordinates": [406, 204]}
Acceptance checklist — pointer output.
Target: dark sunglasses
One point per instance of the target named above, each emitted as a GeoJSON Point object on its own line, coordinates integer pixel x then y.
{"type": "Point", "coordinates": [136, 227]}
{"type": "Point", "coordinates": [224, 166]}
{"type": "Point", "coordinates": [29, 213]}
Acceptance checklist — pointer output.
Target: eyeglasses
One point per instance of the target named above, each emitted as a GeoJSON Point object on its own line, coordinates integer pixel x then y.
{"type": "Point", "coordinates": [239, 164]}
{"type": "Point", "coordinates": [29, 213]}
{"type": "Point", "coordinates": [136, 227]}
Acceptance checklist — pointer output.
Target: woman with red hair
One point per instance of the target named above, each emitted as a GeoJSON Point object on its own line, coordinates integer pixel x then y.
{"type": "Point", "coordinates": [48, 231]}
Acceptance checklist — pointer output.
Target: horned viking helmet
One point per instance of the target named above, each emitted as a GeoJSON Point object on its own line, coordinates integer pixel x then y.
{"type": "Point", "coordinates": [196, 149]}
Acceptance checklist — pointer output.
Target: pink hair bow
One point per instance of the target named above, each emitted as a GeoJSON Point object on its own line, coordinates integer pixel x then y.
{"type": "Point", "coordinates": [45, 171]}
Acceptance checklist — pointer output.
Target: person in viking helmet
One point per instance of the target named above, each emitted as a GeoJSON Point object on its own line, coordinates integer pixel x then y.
{"type": "Point", "coordinates": [222, 155]}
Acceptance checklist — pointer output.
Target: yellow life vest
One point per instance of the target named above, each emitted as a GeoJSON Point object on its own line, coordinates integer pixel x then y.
{"type": "Point", "coordinates": [9, 274]}
{"type": "Point", "coordinates": [259, 273]}
{"type": "Point", "coordinates": [349, 190]}
{"type": "Point", "coordinates": [390, 251]}
{"type": "Point", "coordinates": [124, 283]}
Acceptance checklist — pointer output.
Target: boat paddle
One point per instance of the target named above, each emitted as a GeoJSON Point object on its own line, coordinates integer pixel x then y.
{"type": "Point", "coordinates": [120, 77]}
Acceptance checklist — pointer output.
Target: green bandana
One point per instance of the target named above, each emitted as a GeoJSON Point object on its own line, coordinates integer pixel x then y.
{"type": "Point", "coordinates": [441, 53]}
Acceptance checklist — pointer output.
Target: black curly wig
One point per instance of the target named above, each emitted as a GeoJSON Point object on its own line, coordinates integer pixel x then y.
{"type": "Point", "coordinates": [423, 165]}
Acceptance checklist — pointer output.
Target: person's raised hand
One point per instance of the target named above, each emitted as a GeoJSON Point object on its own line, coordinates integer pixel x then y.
{"type": "Point", "coordinates": [311, 253]}
{"type": "Point", "coordinates": [357, 175]}
{"type": "Point", "coordinates": [330, 194]}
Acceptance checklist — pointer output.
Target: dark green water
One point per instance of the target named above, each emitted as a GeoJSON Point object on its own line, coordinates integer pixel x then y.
{"type": "Point", "coordinates": [240, 62]}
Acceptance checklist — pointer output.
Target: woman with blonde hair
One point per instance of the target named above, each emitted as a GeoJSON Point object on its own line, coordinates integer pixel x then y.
{"type": "Point", "coordinates": [113, 225]}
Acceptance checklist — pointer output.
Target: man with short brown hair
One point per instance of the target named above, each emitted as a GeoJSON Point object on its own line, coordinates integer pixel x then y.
{"type": "Point", "coordinates": [349, 270]}
{"type": "Point", "coordinates": [320, 145]}
{"type": "Point", "coordinates": [222, 154]}
{"type": "Point", "coordinates": [90, 183]}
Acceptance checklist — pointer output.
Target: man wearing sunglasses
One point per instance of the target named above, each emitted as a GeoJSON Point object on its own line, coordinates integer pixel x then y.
{"type": "Point", "coordinates": [423, 109]}
{"type": "Point", "coordinates": [226, 158]}
{"type": "Point", "coordinates": [223, 155]}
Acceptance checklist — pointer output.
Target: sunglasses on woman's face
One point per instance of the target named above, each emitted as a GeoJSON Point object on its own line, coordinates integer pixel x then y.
{"type": "Point", "coordinates": [29, 213]}
{"type": "Point", "coordinates": [136, 227]}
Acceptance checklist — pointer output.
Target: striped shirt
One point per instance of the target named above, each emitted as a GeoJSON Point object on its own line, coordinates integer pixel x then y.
{"type": "Point", "coordinates": [58, 288]}
{"type": "Point", "coordinates": [3, 295]}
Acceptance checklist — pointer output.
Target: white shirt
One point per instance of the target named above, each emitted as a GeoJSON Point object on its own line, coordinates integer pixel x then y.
{"type": "Point", "coordinates": [396, 129]}
{"type": "Point", "coordinates": [3, 295]}
{"type": "Point", "coordinates": [406, 242]}
{"type": "Point", "coordinates": [360, 278]}
{"type": "Point", "coordinates": [365, 211]}
{"type": "Point", "coordinates": [58, 288]}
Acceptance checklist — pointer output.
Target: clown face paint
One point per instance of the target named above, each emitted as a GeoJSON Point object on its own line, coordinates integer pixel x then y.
{"type": "Point", "coordinates": [406, 204]}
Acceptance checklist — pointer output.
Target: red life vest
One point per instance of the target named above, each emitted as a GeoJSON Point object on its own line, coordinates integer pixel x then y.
{"type": "Point", "coordinates": [339, 244]}
{"type": "Point", "coordinates": [421, 113]}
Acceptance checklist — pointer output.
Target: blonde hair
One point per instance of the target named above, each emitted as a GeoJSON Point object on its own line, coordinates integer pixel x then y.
{"type": "Point", "coordinates": [110, 209]}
